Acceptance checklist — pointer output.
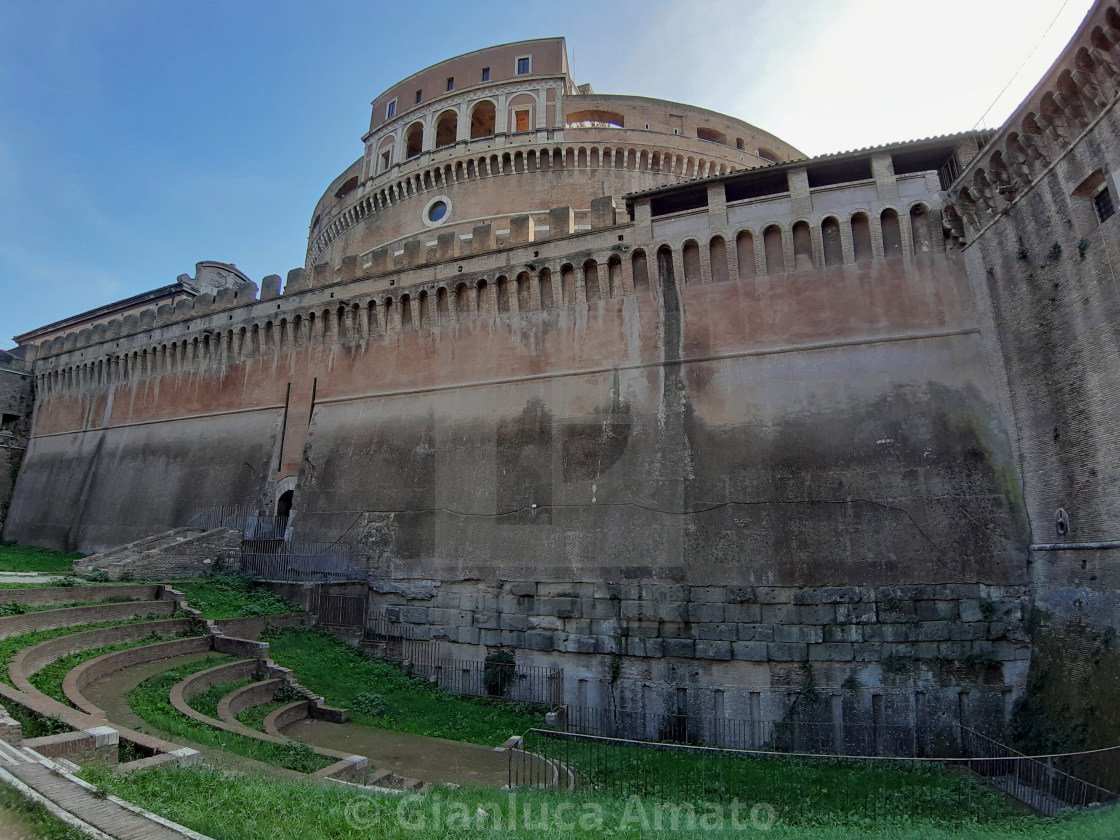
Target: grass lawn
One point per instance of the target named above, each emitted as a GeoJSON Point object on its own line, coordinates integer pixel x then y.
{"type": "Point", "coordinates": [19, 814]}
{"type": "Point", "coordinates": [22, 558]}
{"type": "Point", "coordinates": [150, 701]}
{"type": "Point", "coordinates": [230, 807]}
{"type": "Point", "coordinates": [378, 694]}
{"type": "Point", "coordinates": [232, 595]}
{"type": "Point", "coordinates": [837, 790]}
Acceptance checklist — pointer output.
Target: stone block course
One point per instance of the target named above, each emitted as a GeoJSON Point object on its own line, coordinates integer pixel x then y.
{"type": "Point", "coordinates": [713, 650]}
{"type": "Point", "coordinates": [750, 651]}
{"type": "Point", "coordinates": [684, 648]}
{"type": "Point", "coordinates": [787, 651]}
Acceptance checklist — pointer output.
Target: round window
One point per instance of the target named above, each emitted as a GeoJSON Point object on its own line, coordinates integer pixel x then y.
{"type": "Point", "coordinates": [436, 211]}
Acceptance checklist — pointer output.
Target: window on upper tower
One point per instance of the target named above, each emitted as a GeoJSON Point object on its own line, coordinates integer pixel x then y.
{"type": "Point", "coordinates": [451, 83]}
{"type": "Point", "coordinates": [1102, 203]}
{"type": "Point", "coordinates": [391, 109]}
{"type": "Point", "coordinates": [419, 96]}
{"type": "Point", "coordinates": [524, 65]}
{"type": "Point", "coordinates": [485, 74]}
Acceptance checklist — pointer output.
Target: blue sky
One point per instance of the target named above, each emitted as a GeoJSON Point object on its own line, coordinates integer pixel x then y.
{"type": "Point", "coordinates": [139, 137]}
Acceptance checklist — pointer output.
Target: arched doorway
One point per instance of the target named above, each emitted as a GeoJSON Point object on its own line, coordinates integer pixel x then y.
{"type": "Point", "coordinates": [284, 504]}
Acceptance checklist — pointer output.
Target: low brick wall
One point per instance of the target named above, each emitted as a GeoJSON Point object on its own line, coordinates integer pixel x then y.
{"type": "Point", "coordinates": [254, 694]}
{"type": "Point", "coordinates": [330, 714]}
{"type": "Point", "coordinates": [284, 716]}
{"type": "Point", "coordinates": [98, 744]}
{"type": "Point", "coordinates": [251, 628]}
{"type": "Point", "coordinates": [32, 659]}
{"type": "Point", "coordinates": [84, 675]}
{"type": "Point", "coordinates": [11, 730]}
{"type": "Point", "coordinates": [49, 707]}
{"type": "Point", "coordinates": [182, 757]}
{"type": "Point", "coordinates": [195, 684]}
{"type": "Point", "coordinates": [41, 596]}
{"type": "Point", "coordinates": [241, 647]}
{"type": "Point", "coordinates": [17, 625]}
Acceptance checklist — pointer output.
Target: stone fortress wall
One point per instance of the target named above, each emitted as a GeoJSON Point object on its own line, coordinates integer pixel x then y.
{"type": "Point", "coordinates": [15, 424]}
{"type": "Point", "coordinates": [714, 446]}
{"type": "Point", "coordinates": [1035, 213]}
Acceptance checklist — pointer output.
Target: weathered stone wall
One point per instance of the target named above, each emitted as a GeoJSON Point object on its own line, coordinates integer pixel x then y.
{"type": "Point", "coordinates": [775, 474]}
{"type": "Point", "coordinates": [15, 425]}
{"type": "Point", "coordinates": [1043, 268]}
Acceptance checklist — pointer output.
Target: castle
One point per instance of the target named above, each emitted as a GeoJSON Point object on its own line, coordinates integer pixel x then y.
{"type": "Point", "coordinates": [634, 389]}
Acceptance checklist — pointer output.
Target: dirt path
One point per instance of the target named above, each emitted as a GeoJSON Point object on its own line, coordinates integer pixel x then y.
{"type": "Point", "coordinates": [111, 694]}
{"type": "Point", "coordinates": [414, 756]}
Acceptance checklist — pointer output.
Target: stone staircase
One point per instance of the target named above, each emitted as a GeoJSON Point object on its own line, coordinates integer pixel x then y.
{"type": "Point", "coordinates": [180, 552]}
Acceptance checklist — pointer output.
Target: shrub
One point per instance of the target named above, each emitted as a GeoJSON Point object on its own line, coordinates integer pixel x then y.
{"type": "Point", "coordinates": [498, 673]}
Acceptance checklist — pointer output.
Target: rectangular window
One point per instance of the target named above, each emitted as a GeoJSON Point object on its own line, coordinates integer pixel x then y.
{"type": "Point", "coordinates": [451, 83]}
{"type": "Point", "coordinates": [419, 96]}
{"type": "Point", "coordinates": [1102, 203]}
{"type": "Point", "coordinates": [386, 159]}
{"type": "Point", "coordinates": [521, 120]}
{"type": "Point", "coordinates": [524, 65]}
{"type": "Point", "coordinates": [485, 74]}
{"type": "Point", "coordinates": [391, 109]}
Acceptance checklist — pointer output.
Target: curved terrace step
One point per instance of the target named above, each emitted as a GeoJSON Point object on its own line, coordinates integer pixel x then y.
{"type": "Point", "coordinates": [246, 697]}
{"type": "Point", "coordinates": [346, 766]}
{"type": "Point", "coordinates": [33, 622]}
{"type": "Point", "coordinates": [44, 595]}
{"type": "Point", "coordinates": [79, 678]}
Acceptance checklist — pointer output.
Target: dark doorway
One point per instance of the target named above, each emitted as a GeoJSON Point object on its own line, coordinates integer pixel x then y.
{"type": "Point", "coordinates": [284, 504]}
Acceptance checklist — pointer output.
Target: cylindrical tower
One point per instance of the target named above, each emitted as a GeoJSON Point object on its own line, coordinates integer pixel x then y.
{"type": "Point", "coordinates": [505, 131]}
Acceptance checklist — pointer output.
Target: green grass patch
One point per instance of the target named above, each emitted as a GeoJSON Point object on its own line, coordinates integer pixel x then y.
{"type": "Point", "coordinates": [233, 595]}
{"type": "Point", "coordinates": [33, 724]}
{"type": "Point", "coordinates": [207, 701]}
{"type": "Point", "coordinates": [378, 694]}
{"type": "Point", "coordinates": [31, 816]}
{"type": "Point", "coordinates": [25, 558]}
{"type": "Point", "coordinates": [229, 807]}
{"type": "Point", "coordinates": [15, 608]}
{"type": "Point", "coordinates": [150, 701]}
{"type": "Point", "coordinates": [821, 790]}
{"type": "Point", "coordinates": [254, 716]}
{"type": "Point", "coordinates": [14, 644]}
{"type": "Point", "coordinates": [49, 679]}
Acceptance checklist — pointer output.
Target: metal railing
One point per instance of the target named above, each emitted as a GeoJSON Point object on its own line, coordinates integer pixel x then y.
{"type": "Point", "coordinates": [300, 560]}
{"type": "Point", "coordinates": [399, 643]}
{"type": "Point", "coordinates": [795, 785]}
{"type": "Point", "coordinates": [252, 523]}
{"type": "Point", "coordinates": [1047, 783]}
{"type": "Point", "coordinates": [838, 738]}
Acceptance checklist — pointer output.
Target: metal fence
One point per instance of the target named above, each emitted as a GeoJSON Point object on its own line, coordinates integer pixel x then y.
{"type": "Point", "coordinates": [838, 738]}
{"type": "Point", "coordinates": [300, 560]}
{"type": "Point", "coordinates": [252, 523]}
{"type": "Point", "coordinates": [1047, 783]}
{"type": "Point", "coordinates": [802, 785]}
{"type": "Point", "coordinates": [400, 643]}
{"type": "Point", "coordinates": [341, 610]}
{"type": "Point", "coordinates": [536, 684]}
